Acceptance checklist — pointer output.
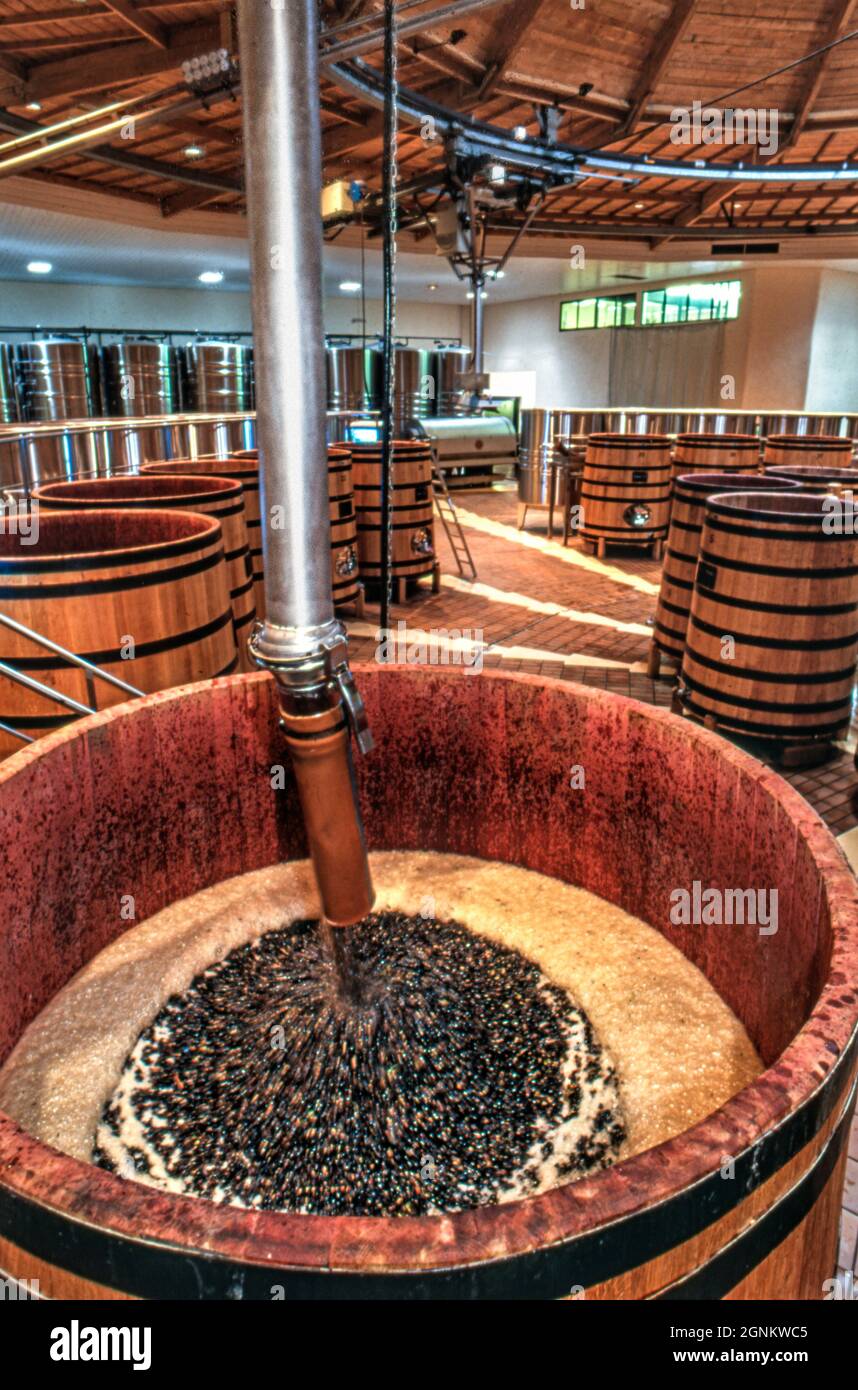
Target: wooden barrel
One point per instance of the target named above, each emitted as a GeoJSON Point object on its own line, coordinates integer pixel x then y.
{"type": "Point", "coordinates": [144, 595]}
{"type": "Point", "coordinates": [743, 1205]}
{"type": "Point", "coordinates": [690, 495]}
{"type": "Point", "coordinates": [345, 569]}
{"type": "Point", "coordinates": [785, 592]}
{"type": "Point", "coordinates": [413, 548]}
{"type": "Point", "coordinates": [242, 468]}
{"type": "Point", "coordinates": [222, 498]}
{"type": "Point", "coordinates": [716, 453]}
{"type": "Point", "coordinates": [625, 489]}
{"type": "Point", "coordinates": [815, 479]}
{"type": "Point", "coordinates": [815, 450]}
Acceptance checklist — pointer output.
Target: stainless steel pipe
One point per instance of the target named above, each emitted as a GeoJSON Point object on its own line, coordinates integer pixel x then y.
{"type": "Point", "coordinates": [301, 641]}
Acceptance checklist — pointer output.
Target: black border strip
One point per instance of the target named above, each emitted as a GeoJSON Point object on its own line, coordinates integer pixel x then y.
{"type": "Point", "coordinates": [120, 583]}
{"type": "Point", "coordinates": [744, 1254]}
{"type": "Point", "coordinates": [157, 1270]}
{"type": "Point", "coordinates": [113, 656]}
{"type": "Point", "coordinates": [765, 706]}
{"type": "Point", "coordinates": [777, 571]}
{"type": "Point", "coordinates": [819, 644]}
{"type": "Point", "coordinates": [788, 609]}
{"type": "Point", "coordinates": [107, 560]}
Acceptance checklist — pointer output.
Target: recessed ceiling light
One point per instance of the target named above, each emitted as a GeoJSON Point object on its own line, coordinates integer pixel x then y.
{"type": "Point", "coordinates": [498, 274]}
{"type": "Point", "coordinates": [470, 294]}
{"type": "Point", "coordinates": [640, 206]}
{"type": "Point", "coordinates": [193, 151]}
{"type": "Point", "coordinates": [211, 277]}
{"type": "Point", "coordinates": [34, 106]}
{"type": "Point", "coordinates": [432, 287]}
{"type": "Point", "coordinates": [350, 286]}
{"type": "Point", "coordinates": [40, 267]}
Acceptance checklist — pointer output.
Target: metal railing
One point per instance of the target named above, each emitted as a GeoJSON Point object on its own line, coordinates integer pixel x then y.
{"type": "Point", "coordinates": [92, 672]}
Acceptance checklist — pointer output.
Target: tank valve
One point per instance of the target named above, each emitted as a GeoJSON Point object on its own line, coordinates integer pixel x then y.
{"type": "Point", "coordinates": [321, 709]}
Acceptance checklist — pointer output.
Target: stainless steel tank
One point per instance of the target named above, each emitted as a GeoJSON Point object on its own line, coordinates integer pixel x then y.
{"type": "Point", "coordinates": [54, 380]}
{"type": "Point", "coordinates": [354, 377]}
{"type": "Point", "coordinates": [415, 385]}
{"type": "Point", "coordinates": [219, 377]}
{"type": "Point", "coordinates": [538, 472]}
{"type": "Point", "coordinates": [450, 398]}
{"type": "Point", "coordinates": [140, 378]}
{"type": "Point", "coordinates": [8, 394]}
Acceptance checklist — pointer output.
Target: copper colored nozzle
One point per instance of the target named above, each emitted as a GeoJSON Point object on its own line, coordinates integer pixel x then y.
{"type": "Point", "coordinates": [321, 756]}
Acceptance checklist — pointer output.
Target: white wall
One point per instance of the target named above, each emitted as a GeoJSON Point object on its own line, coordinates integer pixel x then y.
{"type": "Point", "coordinates": [833, 372]}
{"type": "Point", "coordinates": [571, 368]}
{"type": "Point", "coordinates": [207, 311]}
{"type": "Point", "coordinates": [794, 345]}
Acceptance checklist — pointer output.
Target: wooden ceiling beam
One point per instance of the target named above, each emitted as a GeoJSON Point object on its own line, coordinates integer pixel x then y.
{"type": "Point", "coordinates": [151, 29]}
{"type": "Point", "coordinates": [135, 62]}
{"type": "Point", "coordinates": [513, 35]}
{"type": "Point", "coordinates": [839, 23]}
{"type": "Point", "coordinates": [187, 200]}
{"type": "Point", "coordinates": [655, 65]}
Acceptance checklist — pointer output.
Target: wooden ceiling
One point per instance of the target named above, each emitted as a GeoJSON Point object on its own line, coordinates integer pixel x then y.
{"type": "Point", "coordinates": [615, 69]}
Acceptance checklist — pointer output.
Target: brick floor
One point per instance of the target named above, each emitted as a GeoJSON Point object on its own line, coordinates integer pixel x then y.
{"type": "Point", "coordinates": [516, 569]}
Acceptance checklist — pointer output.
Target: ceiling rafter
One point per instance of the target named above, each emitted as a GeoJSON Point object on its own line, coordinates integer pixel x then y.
{"type": "Point", "coordinates": [151, 29]}
{"type": "Point", "coordinates": [513, 36]}
{"type": "Point", "coordinates": [654, 67]}
{"type": "Point", "coordinates": [839, 22]}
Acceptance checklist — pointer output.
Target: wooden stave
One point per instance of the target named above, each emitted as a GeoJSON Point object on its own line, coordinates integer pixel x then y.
{"type": "Point", "coordinates": [784, 695]}
{"type": "Point", "coordinates": [224, 501]}
{"type": "Point", "coordinates": [681, 551]}
{"type": "Point", "coordinates": [112, 601]}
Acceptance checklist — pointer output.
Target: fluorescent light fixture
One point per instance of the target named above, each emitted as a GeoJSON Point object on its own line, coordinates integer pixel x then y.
{"type": "Point", "coordinates": [350, 286]}
{"type": "Point", "coordinates": [497, 174]}
{"type": "Point", "coordinates": [519, 133]}
{"type": "Point", "coordinates": [211, 277]}
{"type": "Point", "coordinates": [40, 267]}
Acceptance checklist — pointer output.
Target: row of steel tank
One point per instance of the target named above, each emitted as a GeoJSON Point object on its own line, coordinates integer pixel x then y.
{"type": "Point", "coordinates": [72, 379]}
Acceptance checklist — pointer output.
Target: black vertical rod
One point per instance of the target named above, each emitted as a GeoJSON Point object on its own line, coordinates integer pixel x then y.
{"type": "Point", "coordinates": [389, 353]}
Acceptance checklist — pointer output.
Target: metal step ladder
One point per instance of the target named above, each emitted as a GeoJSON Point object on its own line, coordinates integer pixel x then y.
{"type": "Point", "coordinates": [451, 523]}
{"type": "Point", "coordinates": [91, 672]}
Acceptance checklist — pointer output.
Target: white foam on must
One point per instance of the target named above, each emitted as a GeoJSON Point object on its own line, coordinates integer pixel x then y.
{"type": "Point", "coordinates": [678, 1050]}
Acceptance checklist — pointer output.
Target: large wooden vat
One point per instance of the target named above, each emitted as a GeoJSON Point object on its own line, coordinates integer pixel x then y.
{"type": "Point", "coordinates": [625, 490]}
{"type": "Point", "coordinates": [812, 478]}
{"type": "Point", "coordinates": [143, 595]}
{"type": "Point", "coordinates": [716, 453]}
{"type": "Point", "coordinates": [221, 498]}
{"type": "Point", "coordinates": [491, 774]}
{"type": "Point", "coordinates": [412, 524]}
{"type": "Point", "coordinates": [242, 468]}
{"type": "Point", "coordinates": [690, 495]}
{"type": "Point", "coordinates": [772, 637]}
{"type": "Point", "coordinates": [816, 450]}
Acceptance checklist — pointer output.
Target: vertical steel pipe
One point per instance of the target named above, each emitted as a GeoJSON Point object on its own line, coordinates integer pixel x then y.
{"type": "Point", "coordinates": [283, 156]}
{"type": "Point", "coordinates": [301, 641]}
